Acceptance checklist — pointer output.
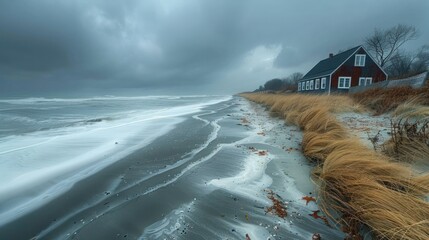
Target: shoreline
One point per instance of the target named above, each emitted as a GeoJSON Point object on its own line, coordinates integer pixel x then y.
{"type": "Point", "coordinates": [221, 174]}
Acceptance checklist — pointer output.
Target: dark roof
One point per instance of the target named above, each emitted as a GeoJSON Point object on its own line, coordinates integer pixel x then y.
{"type": "Point", "coordinates": [328, 65]}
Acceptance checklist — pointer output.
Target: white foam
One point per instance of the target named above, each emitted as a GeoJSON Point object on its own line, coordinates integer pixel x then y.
{"type": "Point", "coordinates": [41, 99]}
{"type": "Point", "coordinates": [250, 182]}
{"type": "Point", "coordinates": [13, 118]}
{"type": "Point", "coordinates": [170, 224]}
{"type": "Point", "coordinates": [38, 167]}
{"type": "Point", "coordinates": [35, 168]}
{"type": "Point", "coordinates": [198, 117]}
{"type": "Point", "coordinates": [210, 139]}
{"type": "Point", "coordinates": [185, 170]}
{"type": "Point", "coordinates": [212, 136]}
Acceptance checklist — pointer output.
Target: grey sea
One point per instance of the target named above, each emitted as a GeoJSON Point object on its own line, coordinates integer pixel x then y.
{"type": "Point", "coordinates": [155, 167]}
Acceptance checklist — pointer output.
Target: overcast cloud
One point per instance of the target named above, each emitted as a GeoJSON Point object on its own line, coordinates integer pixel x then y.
{"type": "Point", "coordinates": [94, 47]}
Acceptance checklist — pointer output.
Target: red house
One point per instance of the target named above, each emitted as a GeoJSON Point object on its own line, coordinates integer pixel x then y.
{"type": "Point", "coordinates": [337, 73]}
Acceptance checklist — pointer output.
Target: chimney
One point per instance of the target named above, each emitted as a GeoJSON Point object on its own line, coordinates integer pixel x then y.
{"type": "Point", "coordinates": [331, 55]}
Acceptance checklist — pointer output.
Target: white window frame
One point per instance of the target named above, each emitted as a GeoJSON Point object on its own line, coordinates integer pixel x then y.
{"type": "Point", "coordinates": [307, 85]}
{"type": "Point", "coordinates": [299, 86]}
{"type": "Point", "coordinates": [347, 82]}
{"type": "Point", "coordinates": [365, 81]}
{"type": "Point", "coordinates": [317, 84]}
{"type": "Point", "coordinates": [323, 84]}
{"type": "Point", "coordinates": [362, 81]}
{"type": "Point", "coordinates": [360, 60]}
{"type": "Point", "coordinates": [311, 84]}
{"type": "Point", "coordinates": [368, 82]}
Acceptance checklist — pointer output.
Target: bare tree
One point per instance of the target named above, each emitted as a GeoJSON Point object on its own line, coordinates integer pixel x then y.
{"type": "Point", "coordinates": [400, 64]}
{"type": "Point", "coordinates": [406, 63]}
{"type": "Point", "coordinates": [293, 78]}
{"type": "Point", "coordinates": [421, 63]}
{"type": "Point", "coordinates": [385, 43]}
{"type": "Point", "coordinates": [291, 82]}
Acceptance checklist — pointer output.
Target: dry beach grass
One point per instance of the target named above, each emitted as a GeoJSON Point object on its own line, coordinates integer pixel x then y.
{"type": "Point", "coordinates": [361, 186]}
{"type": "Point", "coordinates": [385, 100]}
{"type": "Point", "coordinates": [410, 133]}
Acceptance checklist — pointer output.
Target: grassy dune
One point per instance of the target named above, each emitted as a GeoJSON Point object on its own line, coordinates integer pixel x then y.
{"type": "Point", "coordinates": [410, 138]}
{"type": "Point", "coordinates": [361, 186]}
{"type": "Point", "coordinates": [385, 100]}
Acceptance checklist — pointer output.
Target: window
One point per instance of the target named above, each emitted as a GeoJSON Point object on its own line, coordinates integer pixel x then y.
{"type": "Point", "coordinates": [344, 82]}
{"type": "Point", "coordinates": [365, 81]}
{"type": "Point", "coordinates": [360, 60]}
{"type": "Point", "coordinates": [368, 81]}
{"type": "Point", "coordinates": [307, 85]}
{"type": "Point", "coordinates": [323, 86]}
{"type": "Point", "coordinates": [317, 84]}
{"type": "Point", "coordinates": [299, 86]}
{"type": "Point", "coordinates": [311, 84]}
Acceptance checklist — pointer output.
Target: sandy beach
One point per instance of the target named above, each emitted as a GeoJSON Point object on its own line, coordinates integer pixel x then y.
{"type": "Point", "coordinates": [228, 169]}
{"type": "Point", "coordinates": [228, 172]}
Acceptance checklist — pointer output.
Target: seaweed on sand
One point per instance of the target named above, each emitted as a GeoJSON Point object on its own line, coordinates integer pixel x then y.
{"type": "Point", "coordinates": [278, 208]}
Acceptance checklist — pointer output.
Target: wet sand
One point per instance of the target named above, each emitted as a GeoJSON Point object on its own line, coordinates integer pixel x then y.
{"type": "Point", "coordinates": [209, 178]}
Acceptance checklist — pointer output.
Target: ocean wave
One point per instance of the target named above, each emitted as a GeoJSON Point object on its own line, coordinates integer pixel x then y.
{"type": "Point", "coordinates": [97, 120]}
{"type": "Point", "coordinates": [15, 118]}
{"type": "Point", "coordinates": [29, 162]}
{"type": "Point", "coordinates": [41, 99]}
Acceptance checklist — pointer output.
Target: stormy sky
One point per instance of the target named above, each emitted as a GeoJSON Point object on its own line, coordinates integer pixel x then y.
{"type": "Point", "coordinates": [138, 47]}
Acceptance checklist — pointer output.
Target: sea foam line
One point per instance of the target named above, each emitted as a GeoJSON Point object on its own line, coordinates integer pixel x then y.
{"type": "Point", "coordinates": [37, 100]}
{"type": "Point", "coordinates": [20, 208]}
{"type": "Point", "coordinates": [218, 148]}
{"type": "Point", "coordinates": [213, 135]}
{"type": "Point", "coordinates": [150, 190]}
{"type": "Point", "coordinates": [28, 146]}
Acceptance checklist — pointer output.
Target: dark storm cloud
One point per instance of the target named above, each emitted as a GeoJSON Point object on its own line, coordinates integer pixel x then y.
{"type": "Point", "coordinates": [98, 46]}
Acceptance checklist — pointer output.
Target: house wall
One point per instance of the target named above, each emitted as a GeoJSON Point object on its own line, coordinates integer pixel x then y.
{"type": "Point", "coordinates": [348, 69]}
{"type": "Point", "coordinates": [317, 91]}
